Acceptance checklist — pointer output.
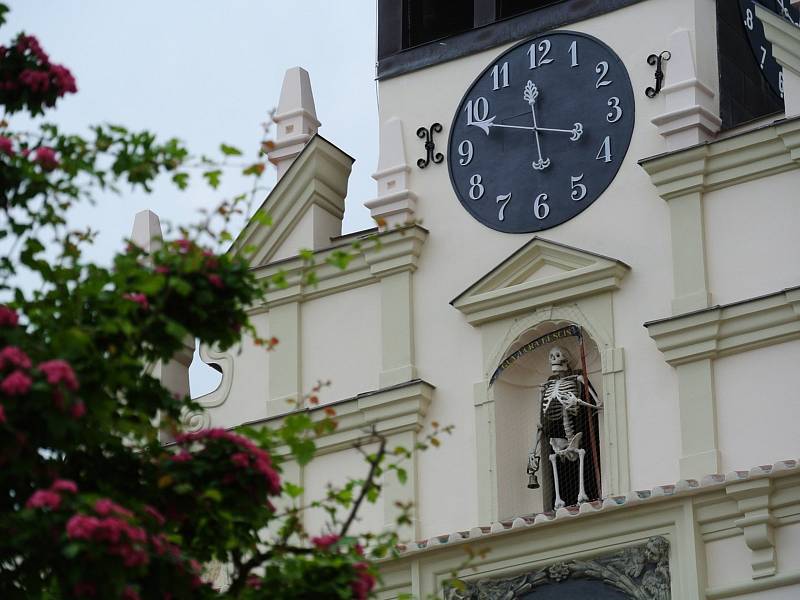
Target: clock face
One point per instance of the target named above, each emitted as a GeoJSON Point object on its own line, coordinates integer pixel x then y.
{"type": "Point", "coordinates": [762, 49]}
{"type": "Point", "coordinates": [541, 133]}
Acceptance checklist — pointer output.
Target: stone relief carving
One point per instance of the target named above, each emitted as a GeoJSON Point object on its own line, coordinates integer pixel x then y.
{"type": "Point", "coordinates": [201, 419]}
{"type": "Point", "coordinates": [640, 572]}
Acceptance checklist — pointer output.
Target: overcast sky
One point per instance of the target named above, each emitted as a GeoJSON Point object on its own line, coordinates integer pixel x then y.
{"type": "Point", "coordinates": [207, 72]}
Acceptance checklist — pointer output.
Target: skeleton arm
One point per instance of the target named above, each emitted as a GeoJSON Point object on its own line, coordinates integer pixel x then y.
{"type": "Point", "coordinates": [598, 402]}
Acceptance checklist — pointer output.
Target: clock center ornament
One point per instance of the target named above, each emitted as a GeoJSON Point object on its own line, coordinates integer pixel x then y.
{"type": "Point", "coordinates": [541, 132]}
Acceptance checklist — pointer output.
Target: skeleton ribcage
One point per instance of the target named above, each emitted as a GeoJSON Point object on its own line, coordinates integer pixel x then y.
{"type": "Point", "coordinates": [557, 391]}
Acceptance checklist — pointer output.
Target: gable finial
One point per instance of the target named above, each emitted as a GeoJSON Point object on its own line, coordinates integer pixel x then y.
{"type": "Point", "coordinates": [396, 204]}
{"type": "Point", "coordinates": [295, 119]}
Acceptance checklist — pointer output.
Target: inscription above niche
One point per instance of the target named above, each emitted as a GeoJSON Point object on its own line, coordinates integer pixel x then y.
{"type": "Point", "coordinates": [635, 573]}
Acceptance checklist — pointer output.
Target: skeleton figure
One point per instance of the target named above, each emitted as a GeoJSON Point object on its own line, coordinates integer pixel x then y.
{"type": "Point", "coordinates": [565, 419]}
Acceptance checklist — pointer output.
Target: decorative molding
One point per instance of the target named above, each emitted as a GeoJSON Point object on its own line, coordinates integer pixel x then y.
{"type": "Point", "coordinates": [512, 287]}
{"type": "Point", "coordinates": [379, 255]}
{"type": "Point", "coordinates": [201, 419]}
{"type": "Point", "coordinates": [757, 524]}
{"type": "Point", "coordinates": [640, 572]}
{"type": "Point", "coordinates": [728, 329]}
{"type": "Point", "coordinates": [750, 155]}
{"type": "Point", "coordinates": [313, 187]}
{"type": "Point", "coordinates": [389, 411]}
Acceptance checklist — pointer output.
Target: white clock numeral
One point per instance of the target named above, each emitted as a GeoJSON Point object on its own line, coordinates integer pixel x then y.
{"type": "Point", "coordinates": [476, 187]}
{"type": "Point", "coordinates": [578, 189]}
{"type": "Point", "coordinates": [763, 56]}
{"type": "Point", "coordinates": [497, 73]}
{"type": "Point", "coordinates": [503, 201]}
{"type": "Point", "coordinates": [605, 150]}
{"type": "Point", "coordinates": [749, 20]}
{"type": "Point", "coordinates": [465, 149]}
{"type": "Point", "coordinates": [602, 70]}
{"type": "Point", "coordinates": [544, 48]}
{"type": "Point", "coordinates": [573, 53]}
{"type": "Point", "coordinates": [616, 113]}
{"type": "Point", "coordinates": [540, 207]}
{"type": "Point", "coordinates": [477, 111]}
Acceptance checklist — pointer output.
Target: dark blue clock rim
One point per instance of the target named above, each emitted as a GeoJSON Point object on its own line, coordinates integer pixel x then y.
{"type": "Point", "coordinates": [486, 70]}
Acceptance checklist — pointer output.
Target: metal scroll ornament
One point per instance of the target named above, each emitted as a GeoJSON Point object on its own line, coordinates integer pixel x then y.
{"type": "Point", "coordinates": [430, 145]}
{"type": "Point", "coordinates": [639, 573]}
{"type": "Point", "coordinates": [657, 60]}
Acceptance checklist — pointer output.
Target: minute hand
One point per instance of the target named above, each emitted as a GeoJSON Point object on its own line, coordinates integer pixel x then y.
{"type": "Point", "coordinates": [576, 132]}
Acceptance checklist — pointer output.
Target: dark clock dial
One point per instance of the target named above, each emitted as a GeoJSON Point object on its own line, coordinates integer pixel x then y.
{"type": "Point", "coordinates": [541, 132]}
{"type": "Point", "coordinates": [762, 49]}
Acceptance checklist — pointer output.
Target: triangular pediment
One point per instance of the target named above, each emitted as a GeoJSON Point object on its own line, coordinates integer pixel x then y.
{"type": "Point", "coordinates": [303, 210]}
{"type": "Point", "coordinates": [541, 273]}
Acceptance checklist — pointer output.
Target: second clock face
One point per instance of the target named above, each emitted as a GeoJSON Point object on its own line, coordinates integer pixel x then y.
{"type": "Point", "coordinates": [541, 133]}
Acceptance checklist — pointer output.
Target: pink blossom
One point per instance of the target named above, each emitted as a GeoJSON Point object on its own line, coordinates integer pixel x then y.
{"type": "Point", "coordinates": [37, 81]}
{"type": "Point", "coordinates": [11, 355]}
{"type": "Point", "coordinates": [29, 42]}
{"type": "Point", "coordinates": [184, 245]}
{"type": "Point", "coordinates": [46, 157]}
{"type": "Point", "coordinates": [105, 507]}
{"type": "Point", "coordinates": [211, 261]}
{"type": "Point", "coordinates": [2, 414]}
{"type": "Point", "coordinates": [215, 280]}
{"type": "Point", "coordinates": [254, 582]}
{"type": "Point", "coordinates": [16, 384]}
{"type": "Point", "coordinates": [64, 485]}
{"type": "Point", "coordinates": [77, 410]}
{"type": "Point", "coordinates": [131, 557]}
{"type": "Point", "coordinates": [140, 299]}
{"type": "Point", "coordinates": [323, 542]}
{"type": "Point", "coordinates": [154, 514]}
{"type": "Point", "coordinates": [59, 371]}
{"type": "Point", "coordinates": [240, 459]}
{"type": "Point", "coordinates": [8, 317]}
{"type": "Point", "coordinates": [163, 270]}
{"type": "Point", "coordinates": [181, 457]}
{"type": "Point", "coordinates": [44, 499]}
{"type": "Point", "coordinates": [82, 527]}
{"type": "Point", "coordinates": [6, 146]}
{"type": "Point", "coordinates": [65, 82]}
{"type": "Point", "coordinates": [130, 594]}
{"type": "Point", "coordinates": [363, 583]}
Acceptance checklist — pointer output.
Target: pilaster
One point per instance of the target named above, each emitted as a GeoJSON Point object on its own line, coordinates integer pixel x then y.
{"type": "Point", "coordinates": [285, 377]}
{"type": "Point", "coordinates": [394, 261]}
{"type": "Point", "coordinates": [785, 39]}
{"type": "Point", "coordinates": [614, 453]}
{"type": "Point", "coordinates": [757, 524]}
{"type": "Point", "coordinates": [699, 453]}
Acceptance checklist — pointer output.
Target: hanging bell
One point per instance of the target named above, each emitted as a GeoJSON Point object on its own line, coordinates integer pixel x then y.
{"type": "Point", "coordinates": [533, 482]}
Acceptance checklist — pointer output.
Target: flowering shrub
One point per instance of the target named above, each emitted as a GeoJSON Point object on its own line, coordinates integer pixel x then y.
{"type": "Point", "coordinates": [94, 504]}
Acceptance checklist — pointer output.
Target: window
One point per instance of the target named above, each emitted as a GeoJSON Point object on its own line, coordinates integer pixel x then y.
{"type": "Point", "coordinates": [429, 20]}
{"type": "Point", "coordinates": [510, 8]}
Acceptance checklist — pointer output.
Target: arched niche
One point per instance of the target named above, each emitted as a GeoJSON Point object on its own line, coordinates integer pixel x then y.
{"type": "Point", "coordinates": [517, 393]}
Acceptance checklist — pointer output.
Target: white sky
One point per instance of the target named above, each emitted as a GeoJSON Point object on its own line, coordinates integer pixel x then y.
{"type": "Point", "coordinates": [207, 72]}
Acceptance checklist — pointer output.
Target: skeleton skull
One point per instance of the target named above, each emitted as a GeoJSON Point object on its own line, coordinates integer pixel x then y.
{"type": "Point", "coordinates": [559, 359]}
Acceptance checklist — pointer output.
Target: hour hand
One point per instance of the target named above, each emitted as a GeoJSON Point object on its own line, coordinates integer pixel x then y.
{"type": "Point", "coordinates": [485, 124]}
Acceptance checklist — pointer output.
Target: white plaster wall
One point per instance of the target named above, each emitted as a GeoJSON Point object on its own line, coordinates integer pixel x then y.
{"type": "Point", "coordinates": [787, 540]}
{"type": "Point", "coordinates": [342, 343]}
{"type": "Point", "coordinates": [300, 238]}
{"type": "Point", "coordinates": [336, 468]}
{"type": "Point", "coordinates": [751, 236]}
{"type": "Point", "coordinates": [789, 592]}
{"type": "Point", "coordinates": [628, 222]}
{"type": "Point", "coordinates": [758, 406]}
{"type": "Point", "coordinates": [247, 400]}
{"type": "Point", "coordinates": [727, 561]}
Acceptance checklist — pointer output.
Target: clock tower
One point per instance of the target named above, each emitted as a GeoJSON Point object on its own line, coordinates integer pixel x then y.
{"type": "Point", "coordinates": [587, 264]}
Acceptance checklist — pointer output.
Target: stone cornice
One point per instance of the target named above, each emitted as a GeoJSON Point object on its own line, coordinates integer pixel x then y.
{"type": "Point", "coordinates": [715, 165]}
{"type": "Point", "coordinates": [728, 329]}
{"type": "Point", "coordinates": [510, 288]}
{"type": "Point", "coordinates": [378, 255]}
{"type": "Point", "coordinates": [389, 411]}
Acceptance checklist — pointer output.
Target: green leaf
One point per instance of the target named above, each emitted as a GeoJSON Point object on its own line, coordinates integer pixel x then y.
{"type": "Point", "coordinates": [213, 177]}
{"type": "Point", "coordinates": [181, 180]}
{"type": "Point", "coordinates": [71, 550]}
{"type": "Point", "coordinates": [402, 476]}
{"type": "Point", "coordinates": [292, 490]}
{"type": "Point", "coordinates": [229, 150]}
{"type": "Point", "coordinates": [212, 494]}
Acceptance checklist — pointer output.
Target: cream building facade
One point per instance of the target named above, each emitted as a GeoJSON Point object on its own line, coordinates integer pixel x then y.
{"type": "Point", "coordinates": [683, 276]}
